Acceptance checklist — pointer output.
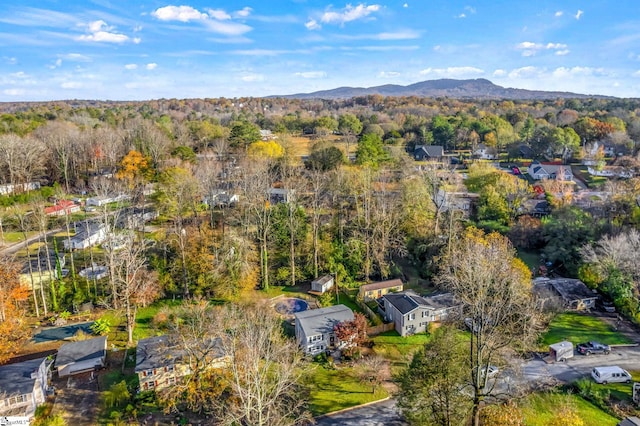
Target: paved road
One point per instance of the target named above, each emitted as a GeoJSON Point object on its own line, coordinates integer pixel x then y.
{"type": "Point", "coordinates": [378, 414]}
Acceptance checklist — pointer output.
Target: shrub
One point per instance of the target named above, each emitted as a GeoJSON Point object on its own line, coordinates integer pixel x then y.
{"type": "Point", "coordinates": [594, 393]}
{"type": "Point", "coordinates": [101, 327]}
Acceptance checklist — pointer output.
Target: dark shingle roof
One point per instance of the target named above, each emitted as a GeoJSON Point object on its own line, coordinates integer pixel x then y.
{"type": "Point", "coordinates": [15, 379]}
{"type": "Point", "coordinates": [408, 301]}
{"type": "Point", "coordinates": [82, 350]}
{"type": "Point", "coordinates": [433, 151]}
{"type": "Point", "coordinates": [162, 351]}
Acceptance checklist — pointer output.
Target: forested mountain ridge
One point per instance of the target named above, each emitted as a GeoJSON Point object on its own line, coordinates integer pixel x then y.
{"type": "Point", "coordinates": [478, 88]}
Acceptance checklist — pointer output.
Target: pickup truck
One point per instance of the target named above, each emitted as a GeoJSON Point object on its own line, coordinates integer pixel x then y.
{"type": "Point", "coordinates": [593, 348]}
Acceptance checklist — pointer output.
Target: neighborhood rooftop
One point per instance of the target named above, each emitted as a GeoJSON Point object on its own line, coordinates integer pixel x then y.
{"type": "Point", "coordinates": [408, 301]}
{"type": "Point", "coordinates": [16, 379]}
{"type": "Point", "coordinates": [381, 285]}
{"type": "Point", "coordinates": [81, 351]}
{"type": "Point", "coordinates": [321, 321]}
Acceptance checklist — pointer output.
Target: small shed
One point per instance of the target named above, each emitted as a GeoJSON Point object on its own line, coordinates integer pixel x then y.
{"type": "Point", "coordinates": [561, 351]}
{"type": "Point", "coordinates": [322, 284]}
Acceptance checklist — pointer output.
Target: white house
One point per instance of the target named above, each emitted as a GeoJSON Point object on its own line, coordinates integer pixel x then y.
{"type": "Point", "coordinates": [314, 328]}
{"type": "Point", "coordinates": [539, 171]}
{"type": "Point", "coordinates": [485, 152]}
{"type": "Point", "coordinates": [105, 199]}
{"type": "Point", "coordinates": [82, 356]}
{"type": "Point", "coordinates": [23, 386]}
{"type": "Point", "coordinates": [87, 234]}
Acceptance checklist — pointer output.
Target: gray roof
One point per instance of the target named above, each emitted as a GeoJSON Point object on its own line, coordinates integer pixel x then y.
{"type": "Point", "coordinates": [323, 279]}
{"type": "Point", "coordinates": [322, 321]}
{"type": "Point", "coordinates": [162, 351]}
{"type": "Point", "coordinates": [630, 421]}
{"type": "Point", "coordinates": [82, 350]}
{"type": "Point", "coordinates": [432, 151]}
{"type": "Point", "coordinates": [572, 289]}
{"type": "Point", "coordinates": [15, 379]}
{"type": "Point", "coordinates": [85, 230]}
{"type": "Point", "coordinates": [408, 301]}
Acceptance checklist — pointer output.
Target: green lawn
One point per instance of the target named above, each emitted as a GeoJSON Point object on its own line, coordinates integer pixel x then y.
{"type": "Point", "coordinates": [577, 328]}
{"type": "Point", "coordinates": [531, 259]}
{"type": "Point", "coordinates": [16, 237]}
{"type": "Point", "coordinates": [333, 390]}
{"type": "Point", "coordinates": [622, 391]}
{"type": "Point", "coordinates": [397, 349]}
{"type": "Point", "coordinates": [540, 408]}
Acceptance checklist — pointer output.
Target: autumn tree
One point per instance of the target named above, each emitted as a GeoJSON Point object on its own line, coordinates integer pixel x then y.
{"type": "Point", "coordinates": [431, 387]}
{"type": "Point", "coordinates": [478, 269]}
{"type": "Point", "coordinates": [13, 308]}
{"type": "Point", "coordinates": [352, 333]}
{"type": "Point", "coordinates": [134, 168]}
{"type": "Point", "coordinates": [265, 370]}
{"type": "Point", "coordinates": [350, 126]}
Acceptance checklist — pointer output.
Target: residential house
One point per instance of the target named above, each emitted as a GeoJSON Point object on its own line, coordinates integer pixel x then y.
{"type": "Point", "coordinates": [135, 217]}
{"type": "Point", "coordinates": [87, 235]}
{"type": "Point", "coordinates": [539, 171]}
{"type": "Point", "coordinates": [573, 293]}
{"type": "Point", "coordinates": [322, 284]}
{"type": "Point", "coordinates": [23, 386]}
{"type": "Point", "coordinates": [82, 356]}
{"type": "Point", "coordinates": [221, 198]}
{"type": "Point", "coordinates": [315, 328]}
{"type": "Point", "coordinates": [412, 313]}
{"type": "Point", "coordinates": [106, 199]}
{"type": "Point", "coordinates": [18, 187]}
{"type": "Point", "coordinates": [61, 208]}
{"type": "Point", "coordinates": [376, 290]}
{"type": "Point", "coordinates": [267, 135]}
{"type": "Point", "coordinates": [280, 195]}
{"type": "Point", "coordinates": [43, 267]}
{"type": "Point", "coordinates": [485, 152]}
{"type": "Point", "coordinates": [526, 151]}
{"type": "Point", "coordinates": [428, 153]}
{"type": "Point", "coordinates": [463, 201]}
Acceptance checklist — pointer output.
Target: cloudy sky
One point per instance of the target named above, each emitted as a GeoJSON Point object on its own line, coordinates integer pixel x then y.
{"type": "Point", "coordinates": [147, 49]}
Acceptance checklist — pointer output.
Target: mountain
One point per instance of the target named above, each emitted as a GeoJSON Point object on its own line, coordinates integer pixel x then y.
{"type": "Point", "coordinates": [479, 88]}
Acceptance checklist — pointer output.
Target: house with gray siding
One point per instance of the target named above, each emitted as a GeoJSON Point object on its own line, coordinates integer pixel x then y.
{"type": "Point", "coordinates": [23, 386]}
{"type": "Point", "coordinates": [412, 313]}
{"type": "Point", "coordinates": [314, 328]}
{"type": "Point", "coordinates": [82, 356]}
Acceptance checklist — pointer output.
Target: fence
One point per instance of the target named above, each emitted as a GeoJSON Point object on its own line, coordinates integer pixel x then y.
{"type": "Point", "coordinates": [378, 329]}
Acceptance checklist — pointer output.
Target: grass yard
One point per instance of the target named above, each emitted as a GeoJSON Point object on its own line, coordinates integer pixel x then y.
{"type": "Point", "coordinates": [578, 328]}
{"type": "Point", "coordinates": [16, 237]}
{"type": "Point", "coordinates": [541, 408]}
{"type": "Point", "coordinates": [333, 390]}
{"type": "Point", "coordinates": [622, 391]}
{"type": "Point", "coordinates": [531, 259]}
{"type": "Point", "coordinates": [397, 349]}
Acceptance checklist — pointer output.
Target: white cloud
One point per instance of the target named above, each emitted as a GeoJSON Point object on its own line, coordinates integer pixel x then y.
{"type": "Point", "coordinates": [131, 66]}
{"type": "Point", "coordinates": [349, 13]}
{"type": "Point", "coordinates": [579, 14]}
{"type": "Point", "coordinates": [14, 92]}
{"type": "Point", "coordinates": [452, 71]}
{"type": "Point", "coordinates": [564, 72]}
{"type": "Point", "coordinates": [530, 48]}
{"type": "Point", "coordinates": [227, 28]}
{"type": "Point", "coordinates": [71, 85]}
{"type": "Point", "coordinates": [219, 14]}
{"type": "Point", "coordinates": [388, 74]}
{"type": "Point", "coordinates": [11, 61]}
{"type": "Point", "coordinates": [470, 9]}
{"type": "Point", "coordinates": [405, 5]}
{"type": "Point", "coordinates": [437, 48]}
{"type": "Point", "coordinates": [244, 12]}
{"type": "Point", "coordinates": [178, 13]}
{"type": "Point", "coordinates": [499, 73]}
{"type": "Point", "coordinates": [558, 14]}
{"type": "Point", "coordinates": [462, 15]}
{"type": "Point", "coordinates": [636, 74]}
{"type": "Point", "coordinates": [75, 57]}
{"type": "Point", "coordinates": [400, 35]}
{"type": "Point", "coordinates": [525, 72]}
{"type": "Point", "coordinates": [100, 32]}
{"type": "Point", "coordinates": [136, 40]}
{"type": "Point", "coordinates": [311, 74]}
{"type": "Point", "coordinates": [152, 66]}
{"type": "Point", "coordinates": [250, 78]}
{"type": "Point", "coordinates": [563, 52]}
{"type": "Point", "coordinates": [312, 25]}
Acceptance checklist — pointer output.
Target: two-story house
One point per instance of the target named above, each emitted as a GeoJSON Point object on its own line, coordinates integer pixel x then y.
{"type": "Point", "coordinates": [23, 386]}
{"type": "Point", "coordinates": [161, 363]}
{"type": "Point", "coordinates": [314, 328]}
{"type": "Point", "coordinates": [412, 313]}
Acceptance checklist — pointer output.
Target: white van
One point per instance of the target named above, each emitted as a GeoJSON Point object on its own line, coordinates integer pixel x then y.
{"type": "Point", "coordinates": [611, 374]}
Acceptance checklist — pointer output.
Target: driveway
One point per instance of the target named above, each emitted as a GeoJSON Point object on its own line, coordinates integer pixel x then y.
{"type": "Point", "coordinates": [377, 414]}
{"type": "Point", "coordinates": [77, 399]}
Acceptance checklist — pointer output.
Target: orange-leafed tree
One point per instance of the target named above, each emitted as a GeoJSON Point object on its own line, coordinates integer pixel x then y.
{"type": "Point", "coordinates": [13, 298]}
{"type": "Point", "coordinates": [134, 168]}
{"type": "Point", "coordinates": [352, 333]}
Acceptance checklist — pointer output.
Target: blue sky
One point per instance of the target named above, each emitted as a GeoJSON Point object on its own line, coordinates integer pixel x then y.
{"type": "Point", "coordinates": [136, 50]}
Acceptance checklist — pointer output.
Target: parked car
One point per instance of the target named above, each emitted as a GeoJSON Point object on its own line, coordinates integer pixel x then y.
{"type": "Point", "coordinates": [612, 374]}
{"type": "Point", "coordinates": [589, 348]}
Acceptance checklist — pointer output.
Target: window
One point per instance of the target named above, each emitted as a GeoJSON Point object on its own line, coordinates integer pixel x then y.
{"type": "Point", "coordinates": [315, 338]}
{"type": "Point", "coordinates": [412, 316]}
{"type": "Point", "coordinates": [19, 399]}
{"type": "Point", "coordinates": [170, 380]}
{"type": "Point", "coordinates": [148, 372]}
{"type": "Point", "coordinates": [169, 369]}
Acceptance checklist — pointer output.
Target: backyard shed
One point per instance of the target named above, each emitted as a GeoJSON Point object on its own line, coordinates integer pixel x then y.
{"type": "Point", "coordinates": [82, 356]}
{"type": "Point", "coordinates": [322, 284]}
{"type": "Point", "coordinates": [561, 351]}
